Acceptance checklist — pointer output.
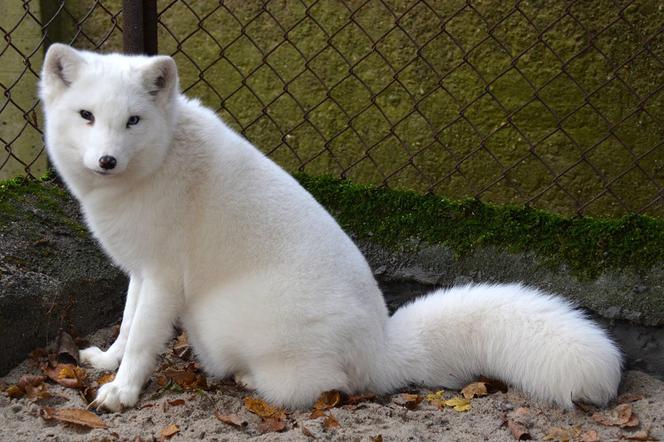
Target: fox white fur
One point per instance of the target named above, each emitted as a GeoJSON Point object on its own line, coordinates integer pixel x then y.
{"type": "Point", "coordinates": [269, 288]}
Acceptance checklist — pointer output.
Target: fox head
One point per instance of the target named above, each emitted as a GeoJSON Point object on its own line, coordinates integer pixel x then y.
{"type": "Point", "coordinates": [108, 117]}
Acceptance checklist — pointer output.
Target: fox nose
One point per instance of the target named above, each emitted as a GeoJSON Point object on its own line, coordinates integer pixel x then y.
{"type": "Point", "coordinates": [107, 162]}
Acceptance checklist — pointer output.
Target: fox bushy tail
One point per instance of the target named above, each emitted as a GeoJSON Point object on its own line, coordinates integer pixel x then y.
{"type": "Point", "coordinates": [529, 339]}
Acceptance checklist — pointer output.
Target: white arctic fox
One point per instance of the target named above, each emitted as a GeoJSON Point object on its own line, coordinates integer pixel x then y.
{"type": "Point", "coordinates": [267, 285]}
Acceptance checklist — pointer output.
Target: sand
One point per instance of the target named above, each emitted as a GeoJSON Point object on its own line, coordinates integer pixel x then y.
{"type": "Point", "coordinates": [388, 417]}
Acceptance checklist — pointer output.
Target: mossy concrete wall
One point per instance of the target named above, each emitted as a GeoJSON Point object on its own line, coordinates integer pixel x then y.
{"type": "Point", "coordinates": [548, 101]}
{"type": "Point", "coordinates": [53, 275]}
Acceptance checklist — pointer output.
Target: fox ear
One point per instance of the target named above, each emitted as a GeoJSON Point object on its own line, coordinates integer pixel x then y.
{"type": "Point", "coordinates": [61, 66]}
{"type": "Point", "coordinates": [161, 77]}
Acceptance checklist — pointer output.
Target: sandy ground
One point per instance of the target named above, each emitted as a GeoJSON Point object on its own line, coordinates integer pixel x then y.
{"type": "Point", "coordinates": [181, 407]}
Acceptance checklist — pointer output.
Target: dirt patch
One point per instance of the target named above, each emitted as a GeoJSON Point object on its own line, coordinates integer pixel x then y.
{"type": "Point", "coordinates": [180, 404]}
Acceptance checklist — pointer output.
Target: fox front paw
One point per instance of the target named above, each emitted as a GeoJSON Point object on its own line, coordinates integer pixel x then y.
{"type": "Point", "coordinates": [115, 396]}
{"type": "Point", "coordinates": [101, 360]}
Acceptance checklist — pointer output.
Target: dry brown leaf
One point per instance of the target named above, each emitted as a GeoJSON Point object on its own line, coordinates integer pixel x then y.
{"type": "Point", "coordinates": [476, 389]}
{"type": "Point", "coordinates": [263, 409]}
{"type": "Point", "coordinates": [356, 399]}
{"type": "Point", "coordinates": [558, 435]}
{"type": "Point", "coordinates": [89, 394]}
{"type": "Point", "coordinates": [621, 416]}
{"type": "Point", "coordinates": [272, 425]}
{"type": "Point", "coordinates": [519, 431]}
{"type": "Point", "coordinates": [105, 378]}
{"type": "Point", "coordinates": [15, 392]}
{"type": "Point", "coordinates": [316, 414]}
{"type": "Point", "coordinates": [189, 378]}
{"type": "Point", "coordinates": [181, 347]}
{"type": "Point", "coordinates": [377, 438]}
{"type": "Point", "coordinates": [176, 402]}
{"type": "Point", "coordinates": [31, 386]}
{"type": "Point", "coordinates": [641, 435]}
{"type": "Point", "coordinates": [67, 375]}
{"type": "Point", "coordinates": [327, 400]}
{"type": "Point", "coordinates": [330, 422]}
{"type": "Point", "coordinates": [169, 431]}
{"type": "Point", "coordinates": [408, 400]}
{"type": "Point", "coordinates": [67, 349]}
{"type": "Point", "coordinates": [74, 416]}
{"type": "Point", "coordinates": [231, 419]}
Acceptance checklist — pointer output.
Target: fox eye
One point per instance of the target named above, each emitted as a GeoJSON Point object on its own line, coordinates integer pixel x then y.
{"type": "Point", "coordinates": [87, 115]}
{"type": "Point", "coordinates": [133, 120]}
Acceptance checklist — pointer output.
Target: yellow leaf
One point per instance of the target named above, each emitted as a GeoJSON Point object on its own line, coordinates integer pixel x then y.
{"type": "Point", "coordinates": [263, 409]}
{"type": "Point", "coordinates": [458, 403]}
{"type": "Point", "coordinates": [105, 378]}
{"type": "Point", "coordinates": [327, 400]}
{"type": "Point", "coordinates": [476, 389]}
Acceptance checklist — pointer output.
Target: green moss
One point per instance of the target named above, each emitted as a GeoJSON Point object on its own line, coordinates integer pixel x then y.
{"type": "Point", "coordinates": [588, 246]}
{"type": "Point", "coordinates": [40, 198]}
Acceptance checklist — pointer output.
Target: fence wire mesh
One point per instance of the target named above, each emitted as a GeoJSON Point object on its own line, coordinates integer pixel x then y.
{"type": "Point", "coordinates": [554, 104]}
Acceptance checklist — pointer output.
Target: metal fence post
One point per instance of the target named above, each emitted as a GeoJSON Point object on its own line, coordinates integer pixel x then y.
{"type": "Point", "coordinates": [140, 26]}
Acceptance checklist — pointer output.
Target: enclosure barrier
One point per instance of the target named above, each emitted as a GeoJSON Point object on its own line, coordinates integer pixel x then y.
{"type": "Point", "coordinates": [552, 104]}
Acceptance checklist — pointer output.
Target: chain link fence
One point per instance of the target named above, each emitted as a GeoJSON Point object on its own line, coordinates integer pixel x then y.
{"type": "Point", "coordinates": [556, 104]}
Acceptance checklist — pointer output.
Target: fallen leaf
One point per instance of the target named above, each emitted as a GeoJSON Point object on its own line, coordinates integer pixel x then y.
{"type": "Point", "coordinates": [458, 403]}
{"type": "Point", "coordinates": [437, 399]}
{"type": "Point", "coordinates": [181, 348]}
{"type": "Point", "coordinates": [15, 392]}
{"type": "Point", "coordinates": [67, 375]}
{"type": "Point", "coordinates": [519, 431]}
{"type": "Point", "coordinates": [641, 435]}
{"type": "Point", "coordinates": [327, 400]}
{"type": "Point", "coordinates": [89, 394]}
{"type": "Point", "coordinates": [105, 378]}
{"type": "Point", "coordinates": [73, 416]}
{"type": "Point", "coordinates": [272, 425]}
{"type": "Point", "coordinates": [558, 434]}
{"type": "Point", "coordinates": [377, 438]}
{"type": "Point", "coordinates": [169, 431]}
{"type": "Point", "coordinates": [34, 386]}
{"type": "Point", "coordinates": [189, 378]}
{"type": "Point", "coordinates": [316, 414]}
{"type": "Point", "coordinates": [476, 389]}
{"type": "Point", "coordinates": [176, 402]}
{"type": "Point", "coordinates": [330, 422]}
{"type": "Point", "coordinates": [356, 399]}
{"type": "Point", "coordinates": [263, 409]}
{"type": "Point", "coordinates": [408, 400]}
{"type": "Point", "coordinates": [621, 416]}
{"type": "Point", "coordinates": [589, 436]}
{"type": "Point", "coordinates": [231, 419]}
{"type": "Point", "coordinates": [67, 349]}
